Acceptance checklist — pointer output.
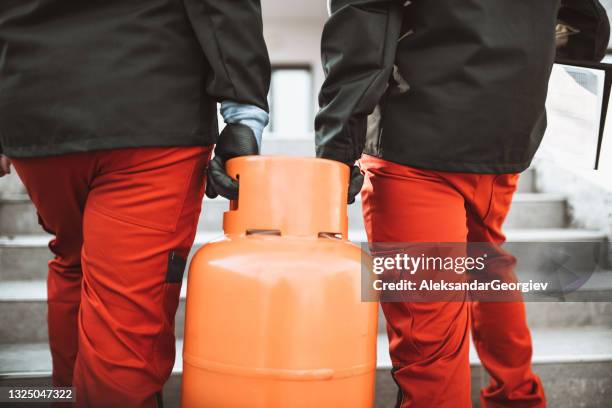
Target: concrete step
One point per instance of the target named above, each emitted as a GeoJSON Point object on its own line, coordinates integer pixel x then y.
{"type": "Point", "coordinates": [590, 305]}
{"type": "Point", "coordinates": [556, 315]}
{"type": "Point", "coordinates": [23, 312]}
{"type": "Point", "coordinates": [25, 257]}
{"type": "Point", "coordinates": [18, 216]}
{"type": "Point", "coordinates": [574, 366]}
{"type": "Point", "coordinates": [537, 210]}
{"type": "Point", "coordinates": [23, 309]}
{"type": "Point", "coordinates": [11, 185]}
{"type": "Point", "coordinates": [527, 182]}
{"type": "Point", "coordinates": [529, 210]}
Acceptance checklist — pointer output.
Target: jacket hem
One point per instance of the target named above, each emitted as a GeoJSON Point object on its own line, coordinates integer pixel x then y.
{"type": "Point", "coordinates": [457, 167]}
{"type": "Point", "coordinates": [106, 143]}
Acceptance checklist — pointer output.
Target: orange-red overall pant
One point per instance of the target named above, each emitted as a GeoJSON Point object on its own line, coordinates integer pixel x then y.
{"type": "Point", "coordinates": [429, 342]}
{"type": "Point", "coordinates": [124, 221]}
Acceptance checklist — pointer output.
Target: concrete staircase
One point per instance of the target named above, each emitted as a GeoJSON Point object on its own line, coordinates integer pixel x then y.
{"type": "Point", "coordinates": [572, 341]}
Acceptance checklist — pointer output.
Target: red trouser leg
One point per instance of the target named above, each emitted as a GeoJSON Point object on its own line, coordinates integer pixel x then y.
{"type": "Point", "coordinates": [402, 204]}
{"type": "Point", "coordinates": [499, 329]}
{"type": "Point", "coordinates": [138, 222]}
{"type": "Point", "coordinates": [429, 342]}
{"type": "Point", "coordinates": [60, 206]}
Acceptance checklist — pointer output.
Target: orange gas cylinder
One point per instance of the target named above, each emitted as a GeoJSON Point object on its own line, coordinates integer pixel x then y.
{"type": "Point", "coordinates": [274, 312]}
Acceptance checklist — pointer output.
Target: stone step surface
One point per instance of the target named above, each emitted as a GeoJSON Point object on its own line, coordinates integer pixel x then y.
{"type": "Point", "coordinates": [25, 257]}
{"type": "Point", "coordinates": [537, 210]}
{"type": "Point", "coordinates": [11, 185]}
{"type": "Point", "coordinates": [575, 372]}
{"type": "Point", "coordinates": [527, 182]}
{"type": "Point", "coordinates": [529, 210]}
{"type": "Point", "coordinates": [18, 215]}
{"type": "Point", "coordinates": [23, 310]}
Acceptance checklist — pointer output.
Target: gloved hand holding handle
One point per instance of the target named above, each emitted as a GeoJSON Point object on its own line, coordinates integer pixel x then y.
{"type": "Point", "coordinates": [241, 137]}
{"type": "Point", "coordinates": [355, 183]}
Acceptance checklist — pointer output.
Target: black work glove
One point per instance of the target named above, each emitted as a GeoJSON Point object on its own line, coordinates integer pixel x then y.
{"type": "Point", "coordinates": [234, 141]}
{"type": "Point", "coordinates": [355, 183]}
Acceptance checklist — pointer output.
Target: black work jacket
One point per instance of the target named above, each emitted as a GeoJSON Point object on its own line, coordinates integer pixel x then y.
{"type": "Point", "coordinates": [82, 75]}
{"type": "Point", "coordinates": [449, 85]}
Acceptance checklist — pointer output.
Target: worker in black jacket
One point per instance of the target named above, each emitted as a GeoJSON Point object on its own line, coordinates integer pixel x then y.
{"type": "Point", "coordinates": [108, 111]}
{"type": "Point", "coordinates": [444, 103]}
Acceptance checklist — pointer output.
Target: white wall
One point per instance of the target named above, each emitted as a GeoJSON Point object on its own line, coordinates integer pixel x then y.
{"type": "Point", "coordinates": [296, 42]}
{"type": "Point", "coordinates": [292, 29]}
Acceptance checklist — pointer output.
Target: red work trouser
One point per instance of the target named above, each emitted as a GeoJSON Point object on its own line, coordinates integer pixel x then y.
{"type": "Point", "coordinates": [429, 341]}
{"type": "Point", "coordinates": [124, 221]}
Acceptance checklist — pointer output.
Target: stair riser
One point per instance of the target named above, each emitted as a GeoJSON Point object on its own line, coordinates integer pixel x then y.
{"type": "Point", "coordinates": [24, 263]}
{"type": "Point", "coordinates": [527, 182]}
{"type": "Point", "coordinates": [30, 262]}
{"type": "Point", "coordinates": [556, 315]}
{"type": "Point", "coordinates": [19, 218]}
{"type": "Point", "coordinates": [569, 314]}
{"type": "Point", "coordinates": [11, 185]}
{"type": "Point", "coordinates": [567, 385]}
{"type": "Point", "coordinates": [540, 259]}
{"type": "Point", "coordinates": [26, 321]}
{"type": "Point", "coordinates": [537, 214]}
{"type": "Point", "coordinates": [23, 322]}
{"type": "Point", "coordinates": [541, 315]}
{"type": "Point", "coordinates": [523, 214]}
